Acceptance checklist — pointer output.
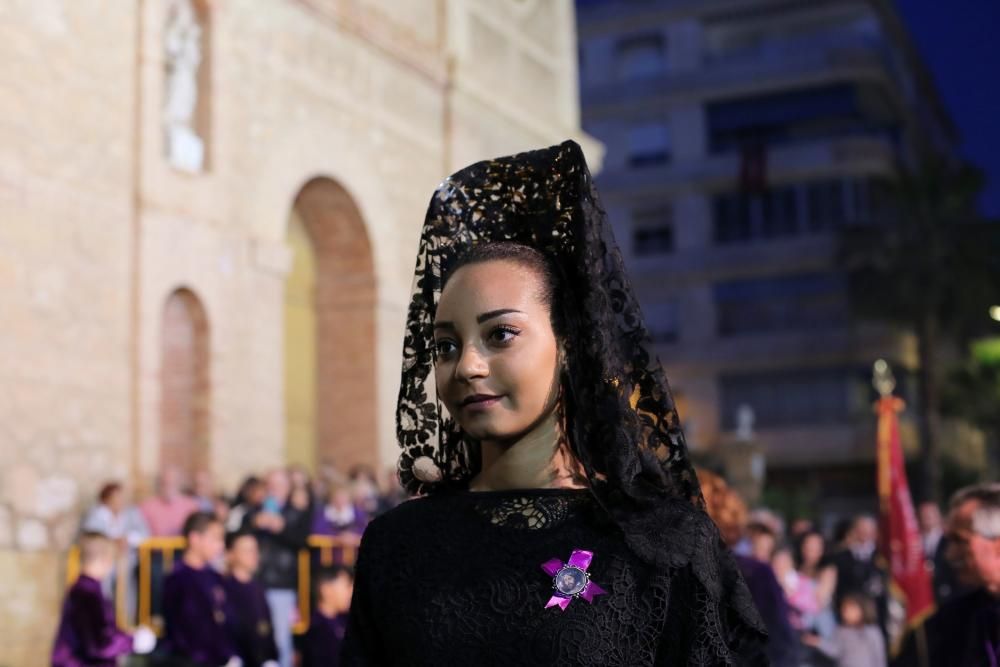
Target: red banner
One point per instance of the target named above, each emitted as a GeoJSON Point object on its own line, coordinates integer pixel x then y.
{"type": "Point", "coordinates": [899, 534]}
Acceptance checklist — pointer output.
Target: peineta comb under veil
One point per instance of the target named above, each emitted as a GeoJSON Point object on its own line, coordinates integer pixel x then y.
{"type": "Point", "coordinates": [620, 418]}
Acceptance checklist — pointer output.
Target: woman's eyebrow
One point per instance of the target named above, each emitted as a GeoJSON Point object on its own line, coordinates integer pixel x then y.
{"type": "Point", "coordinates": [482, 317]}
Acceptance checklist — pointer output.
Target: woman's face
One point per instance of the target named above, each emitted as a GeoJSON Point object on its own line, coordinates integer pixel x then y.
{"type": "Point", "coordinates": [812, 550]}
{"type": "Point", "coordinates": [497, 356]}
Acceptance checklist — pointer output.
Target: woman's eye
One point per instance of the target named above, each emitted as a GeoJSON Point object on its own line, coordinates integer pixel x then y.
{"type": "Point", "coordinates": [503, 335]}
{"type": "Point", "coordinates": [444, 348]}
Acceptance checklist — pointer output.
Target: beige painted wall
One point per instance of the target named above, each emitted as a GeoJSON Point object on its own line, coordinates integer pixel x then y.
{"type": "Point", "coordinates": [96, 228]}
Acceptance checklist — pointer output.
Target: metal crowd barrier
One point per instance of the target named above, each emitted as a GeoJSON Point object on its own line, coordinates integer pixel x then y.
{"type": "Point", "coordinates": [121, 584]}
{"type": "Point", "coordinates": [321, 550]}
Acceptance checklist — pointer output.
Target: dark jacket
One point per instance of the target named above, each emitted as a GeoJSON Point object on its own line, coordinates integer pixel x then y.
{"type": "Point", "coordinates": [279, 551]}
{"type": "Point", "coordinates": [965, 631]}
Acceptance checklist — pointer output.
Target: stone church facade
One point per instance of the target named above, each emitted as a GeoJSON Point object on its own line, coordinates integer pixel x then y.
{"type": "Point", "coordinates": [209, 212]}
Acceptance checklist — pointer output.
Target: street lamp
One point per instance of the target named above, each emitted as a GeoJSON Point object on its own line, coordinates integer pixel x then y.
{"type": "Point", "coordinates": [995, 313]}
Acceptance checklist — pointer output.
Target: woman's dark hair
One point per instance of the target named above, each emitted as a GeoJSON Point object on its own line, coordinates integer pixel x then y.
{"type": "Point", "coordinates": [243, 494]}
{"type": "Point", "coordinates": [551, 283]}
{"type": "Point", "coordinates": [108, 490]}
{"type": "Point", "coordinates": [800, 542]}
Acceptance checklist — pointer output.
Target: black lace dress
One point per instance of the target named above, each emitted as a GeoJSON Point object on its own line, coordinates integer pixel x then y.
{"type": "Point", "coordinates": [457, 579]}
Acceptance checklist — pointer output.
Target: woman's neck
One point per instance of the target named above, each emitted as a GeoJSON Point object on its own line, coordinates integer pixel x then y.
{"type": "Point", "coordinates": [538, 460]}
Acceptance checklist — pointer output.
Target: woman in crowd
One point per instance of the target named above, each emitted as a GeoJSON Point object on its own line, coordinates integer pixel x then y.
{"type": "Point", "coordinates": [562, 522]}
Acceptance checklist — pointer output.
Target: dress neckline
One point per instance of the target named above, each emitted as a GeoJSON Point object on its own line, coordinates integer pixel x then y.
{"type": "Point", "coordinates": [532, 492]}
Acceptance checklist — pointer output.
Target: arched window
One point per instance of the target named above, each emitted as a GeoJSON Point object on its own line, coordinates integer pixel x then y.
{"type": "Point", "coordinates": [330, 358]}
{"type": "Point", "coordinates": [185, 413]}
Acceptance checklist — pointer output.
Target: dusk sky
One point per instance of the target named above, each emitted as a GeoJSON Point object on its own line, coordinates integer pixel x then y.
{"type": "Point", "coordinates": [958, 40]}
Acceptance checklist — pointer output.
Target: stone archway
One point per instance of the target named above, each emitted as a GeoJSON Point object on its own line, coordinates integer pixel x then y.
{"type": "Point", "coordinates": [185, 411]}
{"type": "Point", "coordinates": [330, 322]}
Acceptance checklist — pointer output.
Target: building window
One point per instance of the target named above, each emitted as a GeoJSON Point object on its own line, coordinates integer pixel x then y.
{"type": "Point", "coordinates": [641, 56]}
{"type": "Point", "coordinates": [663, 321]}
{"type": "Point", "coordinates": [652, 232]}
{"type": "Point", "coordinates": [810, 114]}
{"type": "Point", "coordinates": [790, 398]}
{"type": "Point", "coordinates": [804, 302]}
{"type": "Point", "coordinates": [790, 210]}
{"type": "Point", "coordinates": [740, 217]}
{"type": "Point", "coordinates": [827, 208]}
{"type": "Point", "coordinates": [648, 144]}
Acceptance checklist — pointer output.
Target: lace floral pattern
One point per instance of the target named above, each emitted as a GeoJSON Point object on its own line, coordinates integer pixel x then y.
{"type": "Point", "coordinates": [544, 199]}
{"type": "Point", "coordinates": [442, 581]}
{"type": "Point", "coordinates": [620, 418]}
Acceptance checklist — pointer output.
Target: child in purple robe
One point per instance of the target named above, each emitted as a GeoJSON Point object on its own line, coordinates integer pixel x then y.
{"type": "Point", "coordinates": [248, 616]}
{"type": "Point", "coordinates": [88, 635]}
{"type": "Point", "coordinates": [194, 599]}
{"type": "Point", "coordinates": [321, 644]}
{"type": "Point", "coordinates": [339, 515]}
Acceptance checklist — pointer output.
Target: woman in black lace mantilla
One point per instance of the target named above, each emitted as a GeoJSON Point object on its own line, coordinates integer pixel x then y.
{"type": "Point", "coordinates": [560, 522]}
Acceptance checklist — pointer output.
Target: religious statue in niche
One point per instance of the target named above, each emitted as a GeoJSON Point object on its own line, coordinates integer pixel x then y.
{"type": "Point", "coordinates": [182, 56]}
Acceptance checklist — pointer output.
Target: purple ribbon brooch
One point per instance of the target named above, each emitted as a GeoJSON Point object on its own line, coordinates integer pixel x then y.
{"type": "Point", "coordinates": [571, 579]}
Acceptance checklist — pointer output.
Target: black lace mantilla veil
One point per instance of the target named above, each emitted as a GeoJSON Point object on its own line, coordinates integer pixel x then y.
{"type": "Point", "coordinates": [624, 427]}
{"type": "Point", "coordinates": [545, 199]}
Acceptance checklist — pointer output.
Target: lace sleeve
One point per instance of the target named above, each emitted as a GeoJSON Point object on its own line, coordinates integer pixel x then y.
{"type": "Point", "coordinates": [712, 619]}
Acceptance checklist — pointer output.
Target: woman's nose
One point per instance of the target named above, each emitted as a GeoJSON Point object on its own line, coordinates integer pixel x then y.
{"type": "Point", "coordinates": [472, 364]}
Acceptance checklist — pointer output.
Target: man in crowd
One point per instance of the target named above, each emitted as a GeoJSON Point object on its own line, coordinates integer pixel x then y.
{"type": "Point", "coordinates": [166, 511]}
{"type": "Point", "coordinates": [966, 629]}
{"type": "Point", "coordinates": [282, 530]}
{"type": "Point", "coordinates": [857, 569]}
{"type": "Point", "coordinates": [929, 517]}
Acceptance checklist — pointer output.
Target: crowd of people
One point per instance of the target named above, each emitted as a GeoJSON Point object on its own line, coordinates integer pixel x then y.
{"type": "Point", "coordinates": [827, 599]}
{"type": "Point", "coordinates": [231, 598]}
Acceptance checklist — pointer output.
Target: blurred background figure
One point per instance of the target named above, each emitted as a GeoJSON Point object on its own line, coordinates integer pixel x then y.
{"type": "Point", "coordinates": [249, 496]}
{"type": "Point", "coordinates": [194, 598]}
{"type": "Point", "coordinates": [301, 495]}
{"type": "Point", "coordinates": [931, 528]}
{"type": "Point", "coordinates": [858, 571]}
{"type": "Point", "coordinates": [248, 616]}
{"type": "Point", "coordinates": [810, 552]}
{"type": "Point", "coordinates": [728, 511]}
{"type": "Point", "coordinates": [800, 527]}
{"type": "Point", "coordinates": [762, 541]}
{"type": "Point", "coordinates": [321, 644]}
{"type": "Point", "coordinates": [88, 633]}
{"type": "Point", "coordinates": [114, 518]}
{"type": "Point", "coordinates": [124, 524]}
{"type": "Point", "coordinates": [392, 490]}
{"type": "Point", "coordinates": [340, 515]}
{"type": "Point", "coordinates": [858, 640]}
{"type": "Point", "coordinates": [166, 511]}
{"type": "Point", "coordinates": [203, 491]}
{"type": "Point", "coordinates": [282, 529]}
{"type": "Point", "coordinates": [965, 630]}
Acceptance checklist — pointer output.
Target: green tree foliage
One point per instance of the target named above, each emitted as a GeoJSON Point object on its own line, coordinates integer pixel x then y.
{"type": "Point", "coordinates": [928, 264]}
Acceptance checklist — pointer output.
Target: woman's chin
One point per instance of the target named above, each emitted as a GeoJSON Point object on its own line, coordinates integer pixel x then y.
{"type": "Point", "coordinates": [486, 432]}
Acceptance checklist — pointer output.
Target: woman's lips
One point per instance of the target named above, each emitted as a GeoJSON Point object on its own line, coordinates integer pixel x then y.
{"type": "Point", "coordinates": [480, 402]}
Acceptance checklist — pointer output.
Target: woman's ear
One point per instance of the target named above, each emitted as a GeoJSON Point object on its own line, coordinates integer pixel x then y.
{"type": "Point", "coordinates": [561, 357]}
